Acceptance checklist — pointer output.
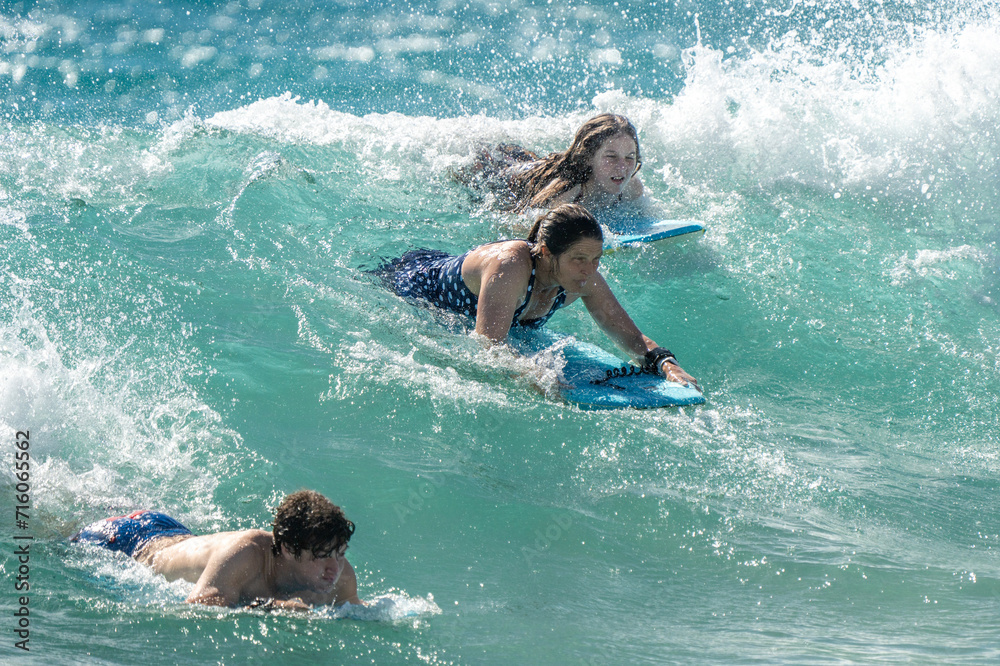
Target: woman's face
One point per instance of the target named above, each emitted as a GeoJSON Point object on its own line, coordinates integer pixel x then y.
{"type": "Point", "coordinates": [613, 165]}
{"type": "Point", "coordinates": [578, 263]}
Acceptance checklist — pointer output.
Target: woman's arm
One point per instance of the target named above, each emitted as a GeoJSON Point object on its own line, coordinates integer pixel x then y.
{"type": "Point", "coordinates": [615, 322]}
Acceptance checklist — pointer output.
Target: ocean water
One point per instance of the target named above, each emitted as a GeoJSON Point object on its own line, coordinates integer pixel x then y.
{"type": "Point", "coordinates": [190, 194]}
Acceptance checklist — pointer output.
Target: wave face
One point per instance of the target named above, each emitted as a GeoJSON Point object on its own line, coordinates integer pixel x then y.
{"type": "Point", "coordinates": [190, 197]}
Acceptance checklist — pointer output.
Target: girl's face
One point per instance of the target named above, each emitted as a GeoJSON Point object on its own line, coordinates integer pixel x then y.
{"type": "Point", "coordinates": [613, 165]}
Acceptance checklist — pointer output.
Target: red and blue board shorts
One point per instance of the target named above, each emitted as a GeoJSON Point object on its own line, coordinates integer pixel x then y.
{"type": "Point", "coordinates": [127, 534]}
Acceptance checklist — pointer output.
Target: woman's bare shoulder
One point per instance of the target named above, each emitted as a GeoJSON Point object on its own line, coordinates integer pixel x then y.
{"type": "Point", "coordinates": [505, 260]}
{"type": "Point", "coordinates": [503, 253]}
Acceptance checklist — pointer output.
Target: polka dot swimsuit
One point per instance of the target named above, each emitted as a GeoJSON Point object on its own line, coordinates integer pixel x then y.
{"type": "Point", "coordinates": [436, 277]}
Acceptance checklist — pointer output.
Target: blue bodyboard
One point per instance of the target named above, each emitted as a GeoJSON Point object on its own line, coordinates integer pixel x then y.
{"type": "Point", "coordinates": [586, 363]}
{"type": "Point", "coordinates": [627, 230]}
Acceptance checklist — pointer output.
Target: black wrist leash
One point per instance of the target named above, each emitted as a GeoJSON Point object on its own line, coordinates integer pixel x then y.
{"type": "Point", "coordinates": [650, 366]}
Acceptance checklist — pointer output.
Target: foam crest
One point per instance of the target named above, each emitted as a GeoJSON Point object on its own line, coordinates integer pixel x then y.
{"type": "Point", "coordinates": [386, 608]}
{"type": "Point", "coordinates": [934, 263]}
{"type": "Point", "coordinates": [101, 446]}
{"type": "Point", "coordinates": [829, 109]}
{"type": "Point", "coordinates": [434, 143]}
{"type": "Point", "coordinates": [795, 112]}
{"type": "Point", "coordinates": [895, 124]}
{"type": "Point", "coordinates": [375, 362]}
{"type": "Point", "coordinates": [78, 165]}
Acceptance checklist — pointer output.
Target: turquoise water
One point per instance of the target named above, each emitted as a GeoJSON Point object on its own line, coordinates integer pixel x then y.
{"type": "Point", "coordinates": [189, 197]}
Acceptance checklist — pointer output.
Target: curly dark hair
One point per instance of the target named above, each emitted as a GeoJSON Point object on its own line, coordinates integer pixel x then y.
{"type": "Point", "coordinates": [306, 520]}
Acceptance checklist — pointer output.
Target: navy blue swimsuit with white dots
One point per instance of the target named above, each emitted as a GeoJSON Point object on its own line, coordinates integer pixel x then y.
{"type": "Point", "coordinates": [436, 277]}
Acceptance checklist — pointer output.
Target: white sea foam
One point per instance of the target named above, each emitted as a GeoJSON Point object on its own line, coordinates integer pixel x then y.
{"type": "Point", "coordinates": [375, 362]}
{"type": "Point", "coordinates": [934, 263]}
{"type": "Point", "coordinates": [791, 113]}
{"type": "Point", "coordinates": [385, 608]}
{"type": "Point", "coordinates": [14, 218]}
{"type": "Point", "coordinates": [59, 164]}
{"type": "Point", "coordinates": [423, 141]}
{"type": "Point", "coordinates": [102, 446]}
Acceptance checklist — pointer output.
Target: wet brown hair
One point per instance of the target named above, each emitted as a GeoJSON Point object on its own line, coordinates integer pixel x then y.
{"type": "Point", "coordinates": [559, 172]}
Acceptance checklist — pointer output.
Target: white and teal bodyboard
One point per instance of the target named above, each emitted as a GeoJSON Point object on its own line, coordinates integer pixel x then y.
{"type": "Point", "coordinates": [585, 376]}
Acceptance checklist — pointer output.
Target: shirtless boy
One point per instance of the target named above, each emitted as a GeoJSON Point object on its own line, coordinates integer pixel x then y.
{"type": "Point", "coordinates": [298, 565]}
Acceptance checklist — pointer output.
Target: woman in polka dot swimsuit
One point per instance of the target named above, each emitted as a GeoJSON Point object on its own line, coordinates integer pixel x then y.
{"type": "Point", "coordinates": [512, 283]}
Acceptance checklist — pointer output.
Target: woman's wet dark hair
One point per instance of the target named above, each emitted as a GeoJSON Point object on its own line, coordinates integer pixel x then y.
{"type": "Point", "coordinates": [562, 226]}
